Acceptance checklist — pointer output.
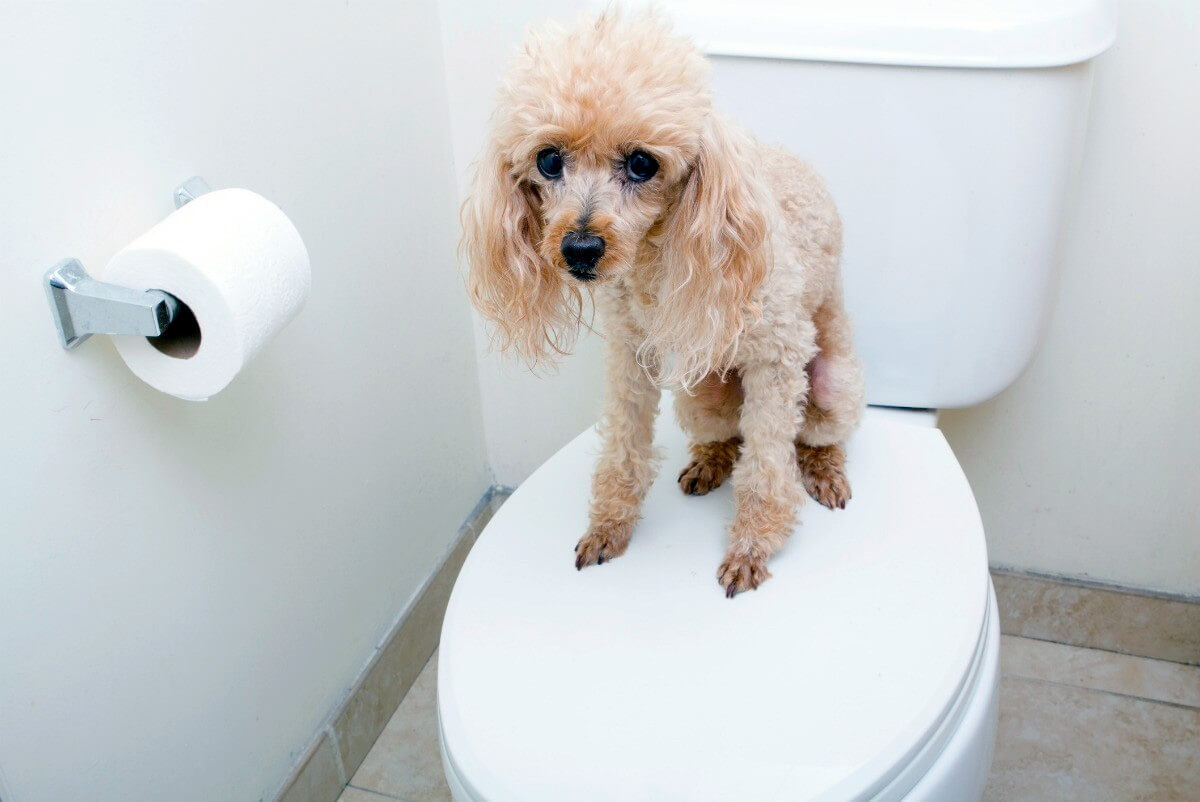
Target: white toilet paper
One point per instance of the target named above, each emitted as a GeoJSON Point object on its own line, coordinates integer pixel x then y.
{"type": "Point", "coordinates": [238, 264]}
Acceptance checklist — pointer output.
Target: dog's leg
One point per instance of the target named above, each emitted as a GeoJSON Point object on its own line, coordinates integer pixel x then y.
{"type": "Point", "coordinates": [835, 401]}
{"type": "Point", "coordinates": [709, 414]}
{"type": "Point", "coordinates": [711, 465]}
{"type": "Point", "coordinates": [625, 469]}
{"type": "Point", "coordinates": [835, 396]}
{"type": "Point", "coordinates": [765, 486]}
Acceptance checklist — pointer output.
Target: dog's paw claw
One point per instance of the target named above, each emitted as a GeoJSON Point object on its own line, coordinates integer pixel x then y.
{"type": "Point", "coordinates": [739, 572]}
{"type": "Point", "coordinates": [602, 543]}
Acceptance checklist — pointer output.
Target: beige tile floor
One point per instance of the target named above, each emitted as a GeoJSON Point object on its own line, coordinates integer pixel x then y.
{"type": "Point", "coordinates": [1075, 724]}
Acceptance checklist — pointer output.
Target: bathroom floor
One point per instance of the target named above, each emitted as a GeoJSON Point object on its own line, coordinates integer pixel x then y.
{"type": "Point", "coordinates": [1075, 723]}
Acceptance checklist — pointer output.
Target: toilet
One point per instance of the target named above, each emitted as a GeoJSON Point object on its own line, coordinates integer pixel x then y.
{"type": "Point", "coordinates": [866, 668]}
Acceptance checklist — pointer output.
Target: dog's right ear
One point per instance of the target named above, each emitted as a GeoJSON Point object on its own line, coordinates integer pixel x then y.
{"type": "Point", "coordinates": [535, 314]}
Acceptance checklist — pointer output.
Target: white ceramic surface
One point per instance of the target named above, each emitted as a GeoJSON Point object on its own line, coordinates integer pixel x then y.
{"type": "Point", "coordinates": [960, 761]}
{"type": "Point", "coordinates": [944, 33]}
{"type": "Point", "coordinates": [639, 680]}
{"type": "Point", "coordinates": [951, 184]}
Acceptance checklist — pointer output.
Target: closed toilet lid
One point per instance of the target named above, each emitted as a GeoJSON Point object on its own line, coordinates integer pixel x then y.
{"type": "Point", "coordinates": [639, 680]}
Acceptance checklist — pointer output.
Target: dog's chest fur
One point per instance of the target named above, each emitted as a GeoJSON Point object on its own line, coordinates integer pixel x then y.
{"type": "Point", "coordinates": [634, 297]}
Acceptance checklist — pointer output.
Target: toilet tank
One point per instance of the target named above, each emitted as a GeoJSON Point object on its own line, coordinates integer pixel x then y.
{"type": "Point", "coordinates": [949, 132]}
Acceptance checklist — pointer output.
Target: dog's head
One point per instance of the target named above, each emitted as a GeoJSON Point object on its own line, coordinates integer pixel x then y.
{"type": "Point", "coordinates": [605, 156]}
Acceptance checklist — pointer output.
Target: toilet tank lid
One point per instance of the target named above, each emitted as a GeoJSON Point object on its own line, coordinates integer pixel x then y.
{"type": "Point", "coordinates": [925, 33]}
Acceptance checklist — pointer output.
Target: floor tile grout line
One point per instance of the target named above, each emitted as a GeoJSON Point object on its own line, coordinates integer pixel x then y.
{"type": "Point", "coordinates": [1043, 681]}
{"type": "Point", "coordinates": [374, 745]}
{"type": "Point", "coordinates": [1102, 649]}
{"type": "Point", "coordinates": [373, 791]}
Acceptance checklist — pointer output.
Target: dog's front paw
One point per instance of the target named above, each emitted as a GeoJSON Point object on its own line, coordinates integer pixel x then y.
{"type": "Point", "coordinates": [741, 571]}
{"type": "Point", "coordinates": [603, 542]}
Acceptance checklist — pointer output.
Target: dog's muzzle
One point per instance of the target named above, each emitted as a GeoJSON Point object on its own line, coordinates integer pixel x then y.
{"type": "Point", "coordinates": [582, 251]}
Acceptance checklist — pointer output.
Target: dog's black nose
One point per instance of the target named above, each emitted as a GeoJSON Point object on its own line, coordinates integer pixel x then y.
{"type": "Point", "coordinates": [582, 251]}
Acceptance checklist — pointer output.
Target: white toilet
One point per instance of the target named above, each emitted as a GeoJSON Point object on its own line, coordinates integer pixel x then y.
{"type": "Point", "coordinates": [866, 667]}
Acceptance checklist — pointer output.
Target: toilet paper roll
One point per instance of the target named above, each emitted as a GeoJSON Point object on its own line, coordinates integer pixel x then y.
{"type": "Point", "coordinates": [240, 271]}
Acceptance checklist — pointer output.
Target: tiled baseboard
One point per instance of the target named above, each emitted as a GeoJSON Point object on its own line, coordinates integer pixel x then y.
{"type": "Point", "coordinates": [1098, 617]}
{"type": "Point", "coordinates": [344, 741]}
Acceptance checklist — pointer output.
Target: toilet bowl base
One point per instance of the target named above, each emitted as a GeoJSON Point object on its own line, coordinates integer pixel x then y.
{"type": "Point", "coordinates": [959, 770]}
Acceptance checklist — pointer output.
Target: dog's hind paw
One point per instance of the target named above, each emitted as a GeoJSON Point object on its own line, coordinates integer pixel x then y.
{"type": "Point", "coordinates": [823, 470]}
{"type": "Point", "coordinates": [603, 542]}
{"type": "Point", "coordinates": [711, 466]}
{"type": "Point", "coordinates": [739, 571]}
{"type": "Point", "coordinates": [698, 478]}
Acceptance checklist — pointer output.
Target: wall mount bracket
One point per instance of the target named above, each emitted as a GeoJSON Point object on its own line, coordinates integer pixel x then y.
{"type": "Point", "coordinates": [82, 306]}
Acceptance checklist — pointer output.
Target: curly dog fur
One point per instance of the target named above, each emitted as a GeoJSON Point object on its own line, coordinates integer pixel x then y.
{"type": "Point", "coordinates": [719, 278]}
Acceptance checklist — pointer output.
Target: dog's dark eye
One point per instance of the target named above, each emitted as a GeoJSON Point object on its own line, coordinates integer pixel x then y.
{"type": "Point", "coordinates": [640, 166]}
{"type": "Point", "coordinates": [550, 163]}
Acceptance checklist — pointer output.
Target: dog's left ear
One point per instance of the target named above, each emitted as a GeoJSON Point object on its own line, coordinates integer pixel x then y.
{"type": "Point", "coordinates": [715, 256]}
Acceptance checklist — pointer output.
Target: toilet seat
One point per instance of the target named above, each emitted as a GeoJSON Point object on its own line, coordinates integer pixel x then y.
{"type": "Point", "coordinates": [840, 678]}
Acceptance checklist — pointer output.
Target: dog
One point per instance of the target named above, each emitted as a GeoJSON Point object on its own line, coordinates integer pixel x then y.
{"type": "Point", "coordinates": [712, 260]}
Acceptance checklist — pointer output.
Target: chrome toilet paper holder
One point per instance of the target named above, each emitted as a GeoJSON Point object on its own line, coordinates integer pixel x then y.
{"type": "Point", "coordinates": [82, 306]}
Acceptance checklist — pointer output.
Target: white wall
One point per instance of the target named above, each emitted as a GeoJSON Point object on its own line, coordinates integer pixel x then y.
{"type": "Point", "coordinates": [527, 418]}
{"type": "Point", "coordinates": [1090, 464]}
{"type": "Point", "coordinates": [187, 589]}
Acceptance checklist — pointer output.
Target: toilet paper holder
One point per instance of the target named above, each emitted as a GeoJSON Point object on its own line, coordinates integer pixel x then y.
{"type": "Point", "coordinates": [82, 306]}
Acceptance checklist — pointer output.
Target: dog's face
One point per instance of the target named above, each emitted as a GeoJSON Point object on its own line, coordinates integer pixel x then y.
{"type": "Point", "coordinates": [601, 182]}
{"type": "Point", "coordinates": [597, 202]}
{"type": "Point", "coordinates": [605, 157]}
{"type": "Point", "coordinates": [602, 126]}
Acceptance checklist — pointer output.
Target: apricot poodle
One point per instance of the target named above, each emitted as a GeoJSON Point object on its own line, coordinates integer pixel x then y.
{"type": "Point", "coordinates": [712, 259]}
